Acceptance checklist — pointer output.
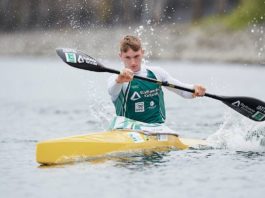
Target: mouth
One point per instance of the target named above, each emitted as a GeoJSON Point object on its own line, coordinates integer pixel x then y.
{"type": "Point", "coordinates": [134, 68]}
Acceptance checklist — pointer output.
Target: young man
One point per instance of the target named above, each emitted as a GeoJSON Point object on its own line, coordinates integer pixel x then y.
{"type": "Point", "coordinates": [137, 99]}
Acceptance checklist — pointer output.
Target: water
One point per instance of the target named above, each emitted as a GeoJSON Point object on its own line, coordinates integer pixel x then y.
{"type": "Point", "coordinates": [44, 98]}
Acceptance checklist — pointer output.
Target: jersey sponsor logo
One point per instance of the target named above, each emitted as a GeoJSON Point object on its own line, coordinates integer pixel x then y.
{"type": "Point", "coordinates": [152, 105]}
{"type": "Point", "coordinates": [135, 96]}
{"type": "Point", "coordinates": [150, 93]}
{"type": "Point", "coordinates": [70, 57]}
{"type": "Point", "coordinates": [139, 107]}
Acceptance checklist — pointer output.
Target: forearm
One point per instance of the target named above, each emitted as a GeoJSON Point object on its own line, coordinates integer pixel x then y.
{"type": "Point", "coordinates": [183, 94]}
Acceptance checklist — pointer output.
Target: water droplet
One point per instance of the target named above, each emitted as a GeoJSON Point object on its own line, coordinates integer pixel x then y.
{"type": "Point", "coordinates": [148, 22]}
{"type": "Point", "coordinates": [252, 30]}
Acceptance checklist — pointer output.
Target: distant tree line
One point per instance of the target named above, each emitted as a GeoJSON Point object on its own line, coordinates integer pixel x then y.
{"type": "Point", "coordinates": [249, 12]}
{"type": "Point", "coordinates": [16, 15]}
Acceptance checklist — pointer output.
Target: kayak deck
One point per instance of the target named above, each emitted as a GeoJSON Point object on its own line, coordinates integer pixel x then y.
{"type": "Point", "coordinates": [69, 149]}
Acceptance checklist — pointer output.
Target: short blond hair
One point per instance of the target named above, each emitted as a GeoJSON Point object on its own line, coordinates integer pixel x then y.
{"type": "Point", "coordinates": [130, 42]}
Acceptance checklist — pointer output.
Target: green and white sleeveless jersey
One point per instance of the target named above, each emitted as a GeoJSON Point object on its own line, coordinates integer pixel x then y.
{"type": "Point", "coordinates": [141, 100]}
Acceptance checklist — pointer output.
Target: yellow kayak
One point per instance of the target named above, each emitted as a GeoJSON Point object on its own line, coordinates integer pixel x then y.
{"type": "Point", "coordinates": [70, 149]}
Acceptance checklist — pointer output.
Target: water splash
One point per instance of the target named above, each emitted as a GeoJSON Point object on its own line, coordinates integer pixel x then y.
{"type": "Point", "coordinates": [257, 32]}
{"type": "Point", "coordinates": [148, 32]}
{"type": "Point", "coordinates": [239, 133]}
{"type": "Point", "coordinates": [101, 111]}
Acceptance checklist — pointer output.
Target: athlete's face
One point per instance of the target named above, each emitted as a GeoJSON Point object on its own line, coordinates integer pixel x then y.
{"type": "Point", "coordinates": [132, 59]}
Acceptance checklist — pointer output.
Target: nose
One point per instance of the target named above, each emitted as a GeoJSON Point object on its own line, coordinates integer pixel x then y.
{"type": "Point", "coordinates": [133, 61]}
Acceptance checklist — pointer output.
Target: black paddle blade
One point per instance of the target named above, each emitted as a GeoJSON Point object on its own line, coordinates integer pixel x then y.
{"type": "Point", "coordinates": [249, 107]}
{"type": "Point", "coordinates": [78, 59]}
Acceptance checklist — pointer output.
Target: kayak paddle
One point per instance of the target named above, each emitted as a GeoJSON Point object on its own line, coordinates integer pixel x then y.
{"type": "Point", "coordinates": [252, 108]}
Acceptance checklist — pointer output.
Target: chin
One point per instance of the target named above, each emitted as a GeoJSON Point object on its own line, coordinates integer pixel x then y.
{"type": "Point", "coordinates": [135, 69]}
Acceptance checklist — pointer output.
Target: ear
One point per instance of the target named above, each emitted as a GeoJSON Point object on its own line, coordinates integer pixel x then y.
{"type": "Point", "coordinates": [143, 52]}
